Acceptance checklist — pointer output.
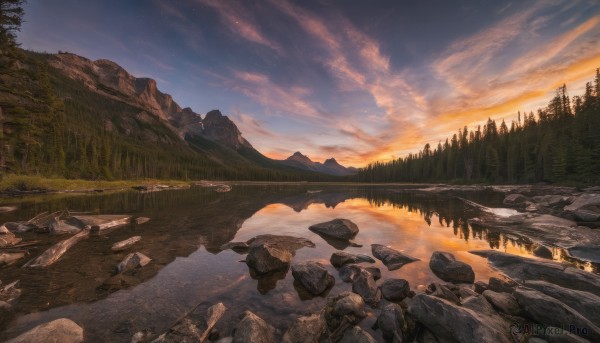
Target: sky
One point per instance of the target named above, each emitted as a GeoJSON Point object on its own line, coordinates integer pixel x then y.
{"type": "Point", "coordinates": [357, 80]}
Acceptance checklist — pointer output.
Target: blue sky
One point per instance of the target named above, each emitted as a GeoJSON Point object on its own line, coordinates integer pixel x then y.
{"type": "Point", "coordinates": [356, 80]}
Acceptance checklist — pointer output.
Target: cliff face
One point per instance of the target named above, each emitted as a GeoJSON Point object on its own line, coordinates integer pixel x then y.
{"type": "Point", "coordinates": [111, 80]}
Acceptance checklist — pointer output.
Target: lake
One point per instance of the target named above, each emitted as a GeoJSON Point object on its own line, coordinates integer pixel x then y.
{"type": "Point", "coordinates": [184, 236]}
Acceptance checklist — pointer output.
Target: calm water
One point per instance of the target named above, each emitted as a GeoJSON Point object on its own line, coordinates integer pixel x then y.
{"type": "Point", "coordinates": [187, 228]}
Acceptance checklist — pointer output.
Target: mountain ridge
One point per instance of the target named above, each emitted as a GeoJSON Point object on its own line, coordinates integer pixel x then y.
{"type": "Point", "coordinates": [329, 166]}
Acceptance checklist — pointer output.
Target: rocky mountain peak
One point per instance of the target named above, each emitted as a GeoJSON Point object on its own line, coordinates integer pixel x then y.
{"type": "Point", "coordinates": [299, 157]}
{"type": "Point", "coordinates": [220, 128]}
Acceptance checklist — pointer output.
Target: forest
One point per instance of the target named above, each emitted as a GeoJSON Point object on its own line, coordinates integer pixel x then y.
{"type": "Point", "coordinates": [558, 144]}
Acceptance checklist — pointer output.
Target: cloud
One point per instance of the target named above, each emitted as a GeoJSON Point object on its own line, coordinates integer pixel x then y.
{"type": "Point", "coordinates": [238, 20]}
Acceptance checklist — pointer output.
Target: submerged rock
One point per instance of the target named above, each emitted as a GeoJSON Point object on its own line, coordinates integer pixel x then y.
{"type": "Point", "coordinates": [391, 258]}
{"type": "Point", "coordinates": [58, 226]}
{"type": "Point", "coordinates": [313, 276]}
{"type": "Point", "coordinates": [133, 261]}
{"type": "Point", "coordinates": [342, 229]}
{"type": "Point", "coordinates": [141, 220]}
{"type": "Point", "coordinates": [125, 244]}
{"type": "Point", "coordinates": [10, 292]}
{"type": "Point", "coordinates": [239, 247]}
{"type": "Point", "coordinates": [8, 258]}
{"type": "Point", "coordinates": [546, 310]}
{"type": "Point", "coordinates": [395, 289]}
{"type": "Point", "coordinates": [340, 258]}
{"type": "Point", "coordinates": [6, 209]}
{"type": "Point", "coordinates": [456, 323]}
{"type": "Point", "coordinates": [252, 329]}
{"type": "Point", "coordinates": [307, 329]}
{"type": "Point", "coordinates": [100, 222]}
{"type": "Point", "coordinates": [7, 238]}
{"type": "Point", "coordinates": [194, 327]}
{"type": "Point", "coordinates": [54, 253]}
{"type": "Point", "coordinates": [61, 330]}
{"type": "Point", "coordinates": [447, 268]}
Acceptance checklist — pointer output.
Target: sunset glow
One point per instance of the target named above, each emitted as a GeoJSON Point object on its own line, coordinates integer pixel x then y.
{"type": "Point", "coordinates": [358, 81]}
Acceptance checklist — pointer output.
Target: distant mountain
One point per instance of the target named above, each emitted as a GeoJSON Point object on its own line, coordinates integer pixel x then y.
{"type": "Point", "coordinates": [97, 121]}
{"type": "Point", "coordinates": [330, 166]}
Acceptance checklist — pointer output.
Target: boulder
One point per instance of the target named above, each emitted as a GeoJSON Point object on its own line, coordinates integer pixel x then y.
{"type": "Point", "coordinates": [364, 285]}
{"type": "Point", "coordinates": [480, 286]}
{"type": "Point", "coordinates": [307, 329]}
{"type": "Point", "coordinates": [479, 304]}
{"type": "Point", "coordinates": [514, 199]}
{"type": "Point", "coordinates": [391, 323]}
{"type": "Point", "coordinates": [520, 269]}
{"type": "Point", "coordinates": [356, 335]}
{"type": "Point", "coordinates": [501, 286]}
{"type": "Point", "coordinates": [551, 200]}
{"type": "Point", "coordinates": [340, 258]}
{"type": "Point", "coordinates": [343, 311]}
{"type": "Point", "coordinates": [289, 243]}
{"type": "Point", "coordinates": [546, 310]}
{"type": "Point", "coordinates": [349, 272]}
{"type": "Point", "coordinates": [447, 268]}
{"type": "Point", "coordinates": [456, 323]}
{"type": "Point", "coordinates": [313, 276]}
{"type": "Point", "coordinates": [196, 326]}
{"type": "Point", "coordinates": [466, 292]}
{"type": "Point", "coordinates": [59, 227]}
{"type": "Point", "coordinates": [126, 244]}
{"type": "Point", "coordinates": [267, 258]}
{"type": "Point", "coordinates": [395, 289]}
{"type": "Point", "coordinates": [585, 207]}
{"type": "Point", "coordinates": [586, 303]}
{"type": "Point", "coordinates": [391, 258]}
{"type": "Point", "coordinates": [132, 262]}
{"type": "Point", "coordinates": [61, 330]}
{"type": "Point", "coordinates": [503, 302]}
{"type": "Point", "coordinates": [543, 252]}
{"type": "Point", "coordinates": [443, 292]}
{"type": "Point", "coordinates": [342, 229]}
{"type": "Point", "coordinates": [252, 329]}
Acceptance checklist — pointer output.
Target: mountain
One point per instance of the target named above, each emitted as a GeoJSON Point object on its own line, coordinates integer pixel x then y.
{"type": "Point", "coordinates": [330, 166]}
{"type": "Point", "coordinates": [65, 115]}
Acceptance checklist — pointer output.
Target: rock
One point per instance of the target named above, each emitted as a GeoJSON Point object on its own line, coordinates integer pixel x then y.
{"type": "Point", "coordinates": [357, 335]}
{"type": "Point", "coordinates": [308, 329]}
{"type": "Point", "coordinates": [395, 289]}
{"type": "Point", "coordinates": [391, 323]}
{"type": "Point", "coordinates": [503, 302]}
{"type": "Point", "coordinates": [480, 286]}
{"type": "Point", "coordinates": [289, 243]}
{"type": "Point", "coordinates": [546, 310]}
{"type": "Point", "coordinates": [365, 286]}
{"type": "Point", "coordinates": [59, 227]}
{"type": "Point", "coordinates": [313, 276]}
{"type": "Point", "coordinates": [252, 329]}
{"type": "Point", "coordinates": [266, 259]}
{"type": "Point", "coordinates": [457, 323]}
{"type": "Point", "coordinates": [239, 247]}
{"type": "Point", "coordinates": [442, 292]}
{"type": "Point", "coordinates": [125, 244]}
{"type": "Point", "coordinates": [349, 272]}
{"type": "Point", "coordinates": [141, 220]}
{"type": "Point", "coordinates": [391, 258]}
{"type": "Point", "coordinates": [133, 261]}
{"type": "Point", "coordinates": [543, 252]}
{"type": "Point", "coordinates": [466, 292]}
{"type": "Point", "coordinates": [551, 200]}
{"type": "Point", "coordinates": [586, 252]}
{"type": "Point", "coordinates": [585, 207]}
{"type": "Point", "coordinates": [521, 268]}
{"type": "Point", "coordinates": [8, 258]}
{"type": "Point", "coordinates": [7, 238]}
{"type": "Point", "coordinates": [61, 330]}
{"type": "Point", "coordinates": [101, 222]}
{"type": "Point", "coordinates": [587, 304]}
{"type": "Point", "coordinates": [342, 229]}
{"type": "Point", "coordinates": [340, 258]}
{"type": "Point", "coordinates": [54, 253]}
{"type": "Point", "coordinates": [501, 286]}
{"type": "Point", "coordinates": [343, 311]}
{"type": "Point", "coordinates": [447, 268]}
{"type": "Point", "coordinates": [223, 188]}
{"type": "Point", "coordinates": [479, 304]}
{"type": "Point", "coordinates": [514, 199]}
{"type": "Point", "coordinates": [6, 209]}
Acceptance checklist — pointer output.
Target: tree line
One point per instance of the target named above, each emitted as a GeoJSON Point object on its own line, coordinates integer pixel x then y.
{"type": "Point", "coordinates": [558, 144]}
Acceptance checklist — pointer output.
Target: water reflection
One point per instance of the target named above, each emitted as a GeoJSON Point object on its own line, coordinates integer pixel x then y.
{"type": "Point", "coordinates": [189, 226]}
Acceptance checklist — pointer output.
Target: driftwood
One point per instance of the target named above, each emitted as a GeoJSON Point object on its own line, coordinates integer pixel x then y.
{"type": "Point", "coordinates": [55, 252]}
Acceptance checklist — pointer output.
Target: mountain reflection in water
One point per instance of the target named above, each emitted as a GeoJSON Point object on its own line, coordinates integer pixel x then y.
{"type": "Point", "coordinates": [187, 228]}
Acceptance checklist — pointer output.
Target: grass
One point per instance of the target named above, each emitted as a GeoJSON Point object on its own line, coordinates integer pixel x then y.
{"type": "Point", "coordinates": [10, 183]}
